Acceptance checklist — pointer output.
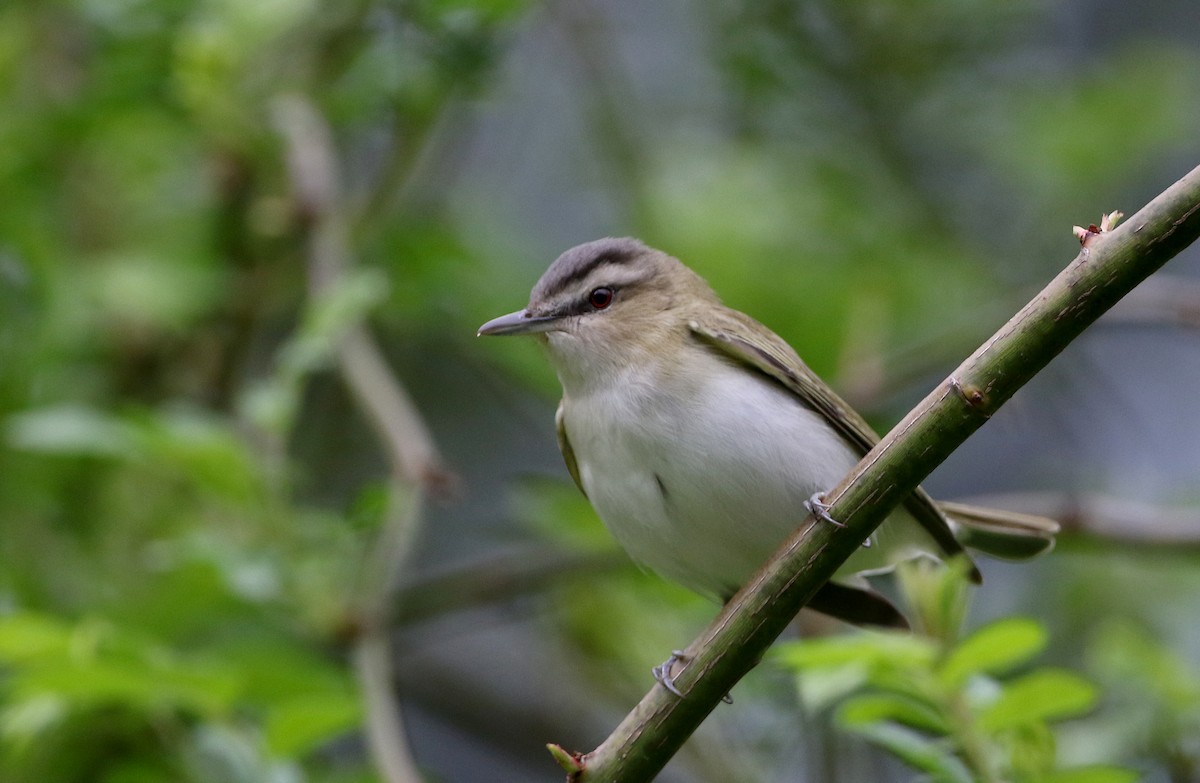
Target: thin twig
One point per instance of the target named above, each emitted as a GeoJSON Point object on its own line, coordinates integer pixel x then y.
{"type": "Point", "coordinates": [1165, 300]}
{"type": "Point", "coordinates": [385, 721]}
{"type": "Point", "coordinates": [868, 377]}
{"type": "Point", "coordinates": [393, 415]}
{"type": "Point", "coordinates": [611, 110]}
{"type": "Point", "coordinates": [498, 578]}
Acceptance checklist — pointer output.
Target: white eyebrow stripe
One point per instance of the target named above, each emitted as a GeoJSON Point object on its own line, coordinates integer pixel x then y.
{"type": "Point", "coordinates": [614, 275]}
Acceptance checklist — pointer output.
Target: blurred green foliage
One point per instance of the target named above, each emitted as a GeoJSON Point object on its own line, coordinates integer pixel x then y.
{"type": "Point", "coordinates": [173, 606]}
{"type": "Point", "coordinates": [958, 711]}
{"type": "Point", "coordinates": [186, 509]}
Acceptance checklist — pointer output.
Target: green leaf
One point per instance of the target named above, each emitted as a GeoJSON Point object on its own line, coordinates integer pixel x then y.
{"type": "Point", "coordinates": [820, 690]}
{"type": "Point", "coordinates": [840, 665]}
{"type": "Point", "coordinates": [892, 650]}
{"type": "Point", "coordinates": [299, 725]}
{"type": "Point", "coordinates": [1090, 775]}
{"type": "Point", "coordinates": [204, 448]}
{"type": "Point", "coordinates": [93, 662]}
{"type": "Point", "coordinates": [148, 290]}
{"type": "Point", "coordinates": [330, 317]}
{"type": "Point", "coordinates": [1127, 655]}
{"type": "Point", "coordinates": [33, 637]}
{"type": "Point", "coordinates": [23, 719]}
{"type": "Point", "coordinates": [131, 682]}
{"type": "Point", "coordinates": [273, 403]}
{"type": "Point", "coordinates": [880, 707]}
{"type": "Point", "coordinates": [491, 10]}
{"type": "Point", "coordinates": [993, 649]}
{"type": "Point", "coordinates": [921, 753]}
{"type": "Point", "coordinates": [938, 594]}
{"type": "Point", "coordinates": [70, 429]}
{"type": "Point", "coordinates": [1043, 695]}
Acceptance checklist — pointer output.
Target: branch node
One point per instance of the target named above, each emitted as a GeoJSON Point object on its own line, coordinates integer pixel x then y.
{"type": "Point", "coordinates": [975, 397]}
{"type": "Point", "coordinates": [440, 482]}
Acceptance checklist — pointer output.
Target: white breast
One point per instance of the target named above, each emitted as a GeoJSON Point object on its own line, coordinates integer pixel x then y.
{"type": "Point", "coordinates": [702, 482]}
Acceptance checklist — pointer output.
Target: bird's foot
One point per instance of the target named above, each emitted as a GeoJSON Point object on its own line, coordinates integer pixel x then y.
{"type": "Point", "coordinates": [662, 672]}
{"type": "Point", "coordinates": [820, 509]}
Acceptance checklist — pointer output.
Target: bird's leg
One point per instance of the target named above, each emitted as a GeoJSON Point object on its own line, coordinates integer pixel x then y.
{"type": "Point", "coordinates": [662, 672]}
{"type": "Point", "coordinates": [820, 509]}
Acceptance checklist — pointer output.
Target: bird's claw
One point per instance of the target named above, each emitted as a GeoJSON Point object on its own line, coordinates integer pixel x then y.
{"type": "Point", "coordinates": [662, 672]}
{"type": "Point", "coordinates": [820, 509]}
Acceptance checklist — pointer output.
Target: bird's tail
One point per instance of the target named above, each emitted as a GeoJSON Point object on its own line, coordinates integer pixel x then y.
{"type": "Point", "coordinates": [1004, 534]}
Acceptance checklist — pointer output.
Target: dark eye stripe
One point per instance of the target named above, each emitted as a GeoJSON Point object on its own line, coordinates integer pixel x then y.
{"type": "Point", "coordinates": [583, 271]}
{"type": "Point", "coordinates": [573, 266]}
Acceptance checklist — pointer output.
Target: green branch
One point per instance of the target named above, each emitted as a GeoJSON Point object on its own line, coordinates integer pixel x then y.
{"type": "Point", "coordinates": [1109, 265]}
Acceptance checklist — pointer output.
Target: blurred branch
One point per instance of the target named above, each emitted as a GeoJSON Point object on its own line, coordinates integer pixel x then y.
{"type": "Point", "coordinates": [1165, 300]}
{"type": "Point", "coordinates": [1109, 265]}
{"type": "Point", "coordinates": [498, 579]}
{"type": "Point", "coordinates": [412, 455]}
{"type": "Point", "coordinates": [411, 451]}
{"type": "Point", "coordinates": [412, 144]}
{"type": "Point", "coordinates": [870, 101]}
{"type": "Point", "coordinates": [382, 398]}
{"type": "Point", "coordinates": [612, 107]}
{"type": "Point", "coordinates": [869, 378]}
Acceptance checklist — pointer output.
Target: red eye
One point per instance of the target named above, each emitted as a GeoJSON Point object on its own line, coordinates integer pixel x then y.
{"type": "Point", "coordinates": [600, 298]}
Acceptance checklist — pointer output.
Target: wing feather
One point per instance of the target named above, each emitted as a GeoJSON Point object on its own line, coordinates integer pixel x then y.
{"type": "Point", "coordinates": [564, 445]}
{"type": "Point", "coordinates": [770, 355]}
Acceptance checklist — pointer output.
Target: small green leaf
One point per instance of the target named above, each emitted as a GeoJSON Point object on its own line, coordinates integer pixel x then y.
{"type": "Point", "coordinates": [202, 447]}
{"type": "Point", "coordinates": [565, 759]}
{"type": "Point", "coordinates": [1125, 654]}
{"type": "Point", "coordinates": [133, 682]}
{"type": "Point", "coordinates": [299, 725]}
{"type": "Point", "coordinates": [33, 637]}
{"type": "Point", "coordinates": [822, 689]}
{"type": "Point", "coordinates": [918, 752]}
{"type": "Point", "coordinates": [330, 317]}
{"type": "Point", "coordinates": [879, 707]}
{"type": "Point", "coordinates": [1090, 775]}
{"type": "Point", "coordinates": [1043, 695]}
{"type": "Point", "coordinates": [897, 651]}
{"type": "Point", "coordinates": [938, 594]}
{"type": "Point", "coordinates": [841, 665]}
{"type": "Point", "coordinates": [993, 649]}
{"type": "Point", "coordinates": [23, 719]}
{"type": "Point", "coordinates": [70, 429]}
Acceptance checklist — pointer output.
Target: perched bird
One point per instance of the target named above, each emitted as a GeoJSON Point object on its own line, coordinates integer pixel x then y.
{"type": "Point", "coordinates": [702, 440]}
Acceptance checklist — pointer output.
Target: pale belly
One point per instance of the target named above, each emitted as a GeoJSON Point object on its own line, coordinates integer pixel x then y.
{"type": "Point", "coordinates": [708, 511]}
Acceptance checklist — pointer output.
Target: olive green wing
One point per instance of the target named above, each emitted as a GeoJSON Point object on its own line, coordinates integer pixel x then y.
{"type": "Point", "coordinates": [564, 445]}
{"type": "Point", "coordinates": [767, 352]}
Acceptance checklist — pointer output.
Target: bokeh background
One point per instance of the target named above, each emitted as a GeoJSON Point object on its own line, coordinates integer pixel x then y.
{"type": "Point", "coordinates": [263, 493]}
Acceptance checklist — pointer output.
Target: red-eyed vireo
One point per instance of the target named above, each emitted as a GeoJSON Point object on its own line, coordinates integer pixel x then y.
{"type": "Point", "coordinates": [702, 439]}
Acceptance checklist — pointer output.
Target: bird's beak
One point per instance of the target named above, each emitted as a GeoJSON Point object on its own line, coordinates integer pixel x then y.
{"type": "Point", "coordinates": [520, 322]}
